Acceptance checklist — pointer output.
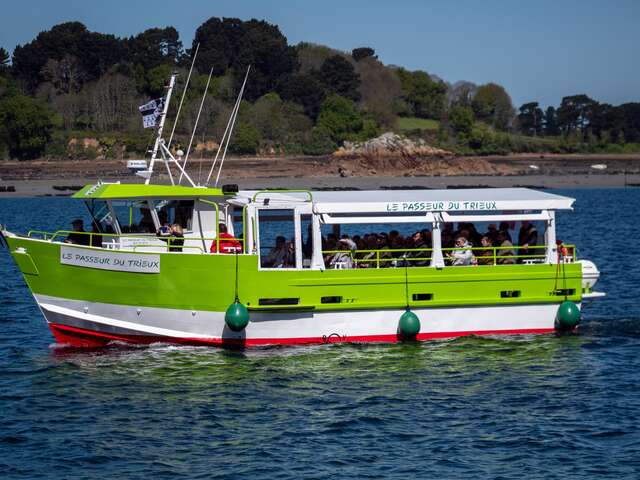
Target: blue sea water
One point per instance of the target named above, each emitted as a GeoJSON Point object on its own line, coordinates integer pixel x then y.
{"type": "Point", "coordinates": [549, 406]}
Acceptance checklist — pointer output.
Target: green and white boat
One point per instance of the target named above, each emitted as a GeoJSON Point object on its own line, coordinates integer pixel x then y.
{"type": "Point", "coordinates": [134, 287]}
{"type": "Point", "coordinates": [271, 281]}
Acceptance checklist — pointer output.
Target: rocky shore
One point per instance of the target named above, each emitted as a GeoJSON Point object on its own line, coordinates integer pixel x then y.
{"type": "Point", "coordinates": [388, 161]}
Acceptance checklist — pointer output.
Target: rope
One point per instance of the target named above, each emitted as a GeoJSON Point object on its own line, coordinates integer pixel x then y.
{"type": "Point", "coordinates": [237, 300]}
{"type": "Point", "coordinates": [406, 284]}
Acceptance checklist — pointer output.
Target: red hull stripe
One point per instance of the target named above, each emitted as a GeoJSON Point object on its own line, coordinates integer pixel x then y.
{"type": "Point", "coordinates": [79, 337]}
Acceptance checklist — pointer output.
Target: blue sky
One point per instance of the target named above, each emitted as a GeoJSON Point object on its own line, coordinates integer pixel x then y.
{"type": "Point", "coordinates": [540, 51]}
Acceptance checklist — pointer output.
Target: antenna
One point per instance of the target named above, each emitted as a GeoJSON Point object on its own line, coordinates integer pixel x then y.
{"type": "Point", "coordinates": [184, 92]}
{"type": "Point", "coordinates": [228, 130]}
{"type": "Point", "coordinates": [159, 145]}
{"type": "Point", "coordinates": [193, 133]}
{"type": "Point", "coordinates": [156, 145]}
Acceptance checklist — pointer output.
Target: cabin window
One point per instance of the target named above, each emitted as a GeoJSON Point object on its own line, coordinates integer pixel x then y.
{"type": "Point", "coordinates": [101, 215]}
{"type": "Point", "coordinates": [175, 211]}
{"type": "Point", "coordinates": [306, 230]}
{"type": "Point", "coordinates": [134, 216]}
{"type": "Point", "coordinates": [494, 243]}
{"type": "Point", "coordinates": [277, 238]}
{"type": "Point", "coordinates": [376, 245]}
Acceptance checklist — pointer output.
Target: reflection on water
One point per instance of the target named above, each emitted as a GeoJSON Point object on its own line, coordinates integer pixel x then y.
{"type": "Point", "coordinates": [548, 406]}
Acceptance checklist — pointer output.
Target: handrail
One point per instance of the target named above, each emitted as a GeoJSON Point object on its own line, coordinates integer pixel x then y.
{"type": "Point", "coordinates": [282, 190]}
{"type": "Point", "coordinates": [166, 240]}
{"type": "Point", "coordinates": [388, 255]}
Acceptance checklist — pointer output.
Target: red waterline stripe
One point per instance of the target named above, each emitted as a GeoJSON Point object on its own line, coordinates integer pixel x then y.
{"type": "Point", "coordinates": [79, 337]}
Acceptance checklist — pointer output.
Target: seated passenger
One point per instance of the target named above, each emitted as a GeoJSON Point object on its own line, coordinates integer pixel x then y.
{"type": "Point", "coordinates": [146, 222]}
{"type": "Point", "coordinates": [344, 258]}
{"type": "Point", "coordinates": [78, 236]}
{"type": "Point", "coordinates": [485, 256]}
{"type": "Point", "coordinates": [278, 256]}
{"type": "Point", "coordinates": [462, 255]}
{"type": "Point", "coordinates": [173, 235]}
{"type": "Point", "coordinates": [368, 258]}
{"type": "Point", "coordinates": [228, 244]}
{"type": "Point", "coordinates": [506, 249]}
{"type": "Point", "coordinates": [492, 233]}
{"type": "Point", "coordinates": [527, 237]}
{"type": "Point", "coordinates": [419, 258]}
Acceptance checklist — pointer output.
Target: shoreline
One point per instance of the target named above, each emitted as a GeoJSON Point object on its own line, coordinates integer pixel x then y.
{"type": "Point", "coordinates": [64, 187]}
{"type": "Point", "coordinates": [64, 177]}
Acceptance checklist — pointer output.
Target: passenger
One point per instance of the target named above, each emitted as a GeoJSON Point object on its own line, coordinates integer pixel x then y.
{"type": "Point", "coordinates": [474, 236]}
{"type": "Point", "coordinates": [173, 235]}
{"type": "Point", "coordinates": [228, 244]}
{"type": "Point", "coordinates": [277, 257]}
{"type": "Point", "coordinates": [329, 245]}
{"type": "Point", "coordinates": [385, 255]}
{"type": "Point", "coordinates": [78, 236]}
{"type": "Point", "coordinates": [290, 257]}
{"type": "Point", "coordinates": [504, 227]}
{"type": "Point", "coordinates": [492, 233]}
{"type": "Point", "coordinates": [462, 255]}
{"type": "Point", "coordinates": [506, 249]}
{"type": "Point", "coordinates": [447, 235]}
{"type": "Point", "coordinates": [146, 224]}
{"type": "Point", "coordinates": [485, 256]}
{"type": "Point", "coordinates": [527, 237]}
{"type": "Point", "coordinates": [368, 259]}
{"type": "Point", "coordinates": [419, 258]}
{"type": "Point", "coordinates": [344, 258]}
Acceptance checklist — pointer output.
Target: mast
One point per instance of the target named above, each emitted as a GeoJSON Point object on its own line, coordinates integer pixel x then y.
{"type": "Point", "coordinates": [163, 117]}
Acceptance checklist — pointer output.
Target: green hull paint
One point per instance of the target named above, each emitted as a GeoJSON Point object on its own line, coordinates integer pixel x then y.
{"type": "Point", "coordinates": [206, 282]}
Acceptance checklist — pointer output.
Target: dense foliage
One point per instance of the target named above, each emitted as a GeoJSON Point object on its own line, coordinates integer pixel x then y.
{"type": "Point", "coordinates": [74, 93]}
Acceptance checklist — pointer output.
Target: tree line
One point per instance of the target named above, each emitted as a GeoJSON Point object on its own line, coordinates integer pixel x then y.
{"type": "Point", "coordinates": [70, 83]}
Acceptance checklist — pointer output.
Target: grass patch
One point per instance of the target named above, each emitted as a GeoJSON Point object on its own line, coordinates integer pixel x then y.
{"type": "Point", "coordinates": [415, 123]}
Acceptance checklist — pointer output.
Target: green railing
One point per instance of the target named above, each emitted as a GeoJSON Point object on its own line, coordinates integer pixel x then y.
{"type": "Point", "coordinates": [393, 257]}
{"type": "Point", "coordinates": [171, 242]}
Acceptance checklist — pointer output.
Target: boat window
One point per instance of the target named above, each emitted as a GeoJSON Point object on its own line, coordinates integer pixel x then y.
{"type": "Point", "coordinates": [494, 243]}
{"type": "Point", "coordinates": [277, 238]}
{"type": "Point", "coordinates": [376, 245]}
{"type": "Point", "coordinates": [175, 211]}
{"type": "Point", "coordinates": [306, 230]}
{"type": "Point", "coordinates": [102, 218]}
{"type": "Point", "coordinates": [134, 216]}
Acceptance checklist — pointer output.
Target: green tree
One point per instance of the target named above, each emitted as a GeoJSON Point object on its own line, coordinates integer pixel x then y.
{"type": "Point", "coordinates": [426, 98]}
{"type": "Point", "coordinates": [319, 142]}
{"type": "Point", "coordinates": [492, 104]}
{"type": "Point", "coordinates": [530, 119]}
{"type": "Point", "coordinates": [305, 90]}
{"type": "Point", "coordinates": [362, 53]}
{"type": "Point", "coordinates": [25, 126]}
{"type": "Point", "coordinates": [4, 60]}
{"type": "Point", "coordinates": [96, 52]}
{"type": "Point", "coordinates": [340, 118]}
{"type": "Point", "coordinates": [551, 122]}
{"type": "Point", "coordinates": [339, 77]}
{"type": "Point", "coordinates": [461, 120]}
{"type": "Point", "coordinates": [230, 43]}
{"type": "Point", "coordinates": [153, 47]}
{"type": "Point", "coordinates": [575, 113]}
{"type": "Point", "coordinates": [246, 139]}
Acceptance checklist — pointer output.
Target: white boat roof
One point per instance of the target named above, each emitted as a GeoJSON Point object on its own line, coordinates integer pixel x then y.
{"type": "Point", "coordinates": [406, 201]}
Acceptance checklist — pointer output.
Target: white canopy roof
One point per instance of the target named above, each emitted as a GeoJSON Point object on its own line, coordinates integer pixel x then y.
{"type": "Point", "coordinates": [408, 201]}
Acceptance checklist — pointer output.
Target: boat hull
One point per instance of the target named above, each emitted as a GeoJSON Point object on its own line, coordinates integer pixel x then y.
{"type": "Point", "coordinates": [86, 324]}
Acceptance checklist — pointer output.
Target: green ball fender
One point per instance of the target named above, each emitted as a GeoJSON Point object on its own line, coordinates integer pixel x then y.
{"type": "Point", "coordinates": [568, 315]}
{"type": "Point", "coordinates": [409, 325]}
{"type": "Point", "coordinates": [236, 317]}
